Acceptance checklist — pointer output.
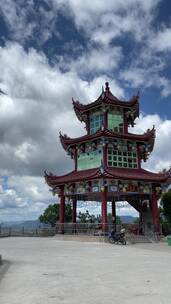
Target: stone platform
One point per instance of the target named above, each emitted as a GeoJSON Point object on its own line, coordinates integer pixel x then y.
{"type": "Point", "coordinates": [50, 271]}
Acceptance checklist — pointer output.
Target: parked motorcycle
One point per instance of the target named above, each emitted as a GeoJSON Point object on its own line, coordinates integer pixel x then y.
{"type": "Point", "coordinates": [117, 238]}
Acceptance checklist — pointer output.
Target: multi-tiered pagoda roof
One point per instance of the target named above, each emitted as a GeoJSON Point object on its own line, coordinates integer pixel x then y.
{"type": "Point", "coordinates": [104, 136]}
{"type": "Point", "coordinates": [106, 99]}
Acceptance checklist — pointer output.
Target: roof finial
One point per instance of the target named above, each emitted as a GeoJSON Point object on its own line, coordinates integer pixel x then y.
{"type": "Point", "coordinates": [107, 86]}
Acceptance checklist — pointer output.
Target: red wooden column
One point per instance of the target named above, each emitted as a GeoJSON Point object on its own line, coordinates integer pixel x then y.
{"type": "Point", "coordinates": [88, 124]}
{"type": "Point", "coordinates": [105, 156]}
{"type": "Point", "coordinates": [106, 119]}
{"type": "Point", "coordinates": [114, 214]}
{"type": "Point", "coordinates": [140, 222]}
{"type": "Point", "coordinates": [62, 209]}
{"type": "Point", "coordinates": [74, 210]}
{"type": "Point", "coordinates": [125, 123]}
{"type": "Point", "coordinates": [104, 209]}
{"type": "Point", "coordinates": [139, 158]}
{"type": "Point", "coordinates": [155, 211]}
{"type": "Point", "coordinates": [76, 161]}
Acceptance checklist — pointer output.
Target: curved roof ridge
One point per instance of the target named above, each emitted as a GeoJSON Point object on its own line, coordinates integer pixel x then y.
{"type": "Point", "coordinates": [81, 106]}
{"type": "Point", "coordinates": [162, 174]}
{"type": "Point", "coordinates": [66, 140]}
{"type": "Point", "coordinates": [106, 97]}
{"type": "Point", "coordinates": [107, 172]}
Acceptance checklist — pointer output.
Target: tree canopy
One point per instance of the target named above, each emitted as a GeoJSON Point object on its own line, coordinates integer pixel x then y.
{"type": "Point", "coordinates": [166, 205]}
{"type": "Point", "coordinates": [52, 213]}
{"type": "Point", "coordinates": [86, 217]}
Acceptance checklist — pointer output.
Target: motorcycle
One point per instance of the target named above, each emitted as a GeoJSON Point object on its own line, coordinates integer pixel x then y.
{"type": "Point", "coordinates": [117, 238]}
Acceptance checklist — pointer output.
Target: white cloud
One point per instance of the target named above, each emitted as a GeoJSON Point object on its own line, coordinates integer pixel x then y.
{"type": "Point", "coordinates": [24, 197]}
{"type": "Point", "coordinates": [107, 21]}
{"type": "Point", "coordinates": [39, 103]}
{"type": "Point", "coordinates": [131, 19]}
{"type": "Point", "coordinates": [103, 22]}
{"type": "Point", "coordinates": [147, 77]}
{"type": "Point", "coordinates": [16, 18]}
{"type": "Point", "coordinates": [38, 106]}
{"type": "Point", "coordinates": [101, 60]}
{"type": "Point", "coordinates": [161, 41]}
{"type": "Point", "coordinates": [160, 157]}
{"type": "Point", "coordinates": [22, 17]}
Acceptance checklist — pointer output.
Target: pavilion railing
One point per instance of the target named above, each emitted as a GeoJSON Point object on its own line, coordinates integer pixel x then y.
{"type": "Point", "coordinates": [68, 228]}
{"type": "Point", "coordinates": [86, 228]}
{"type": "Point", "coordinates": [23, 231]}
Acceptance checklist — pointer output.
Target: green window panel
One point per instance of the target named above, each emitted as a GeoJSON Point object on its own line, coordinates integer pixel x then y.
{"type": "Point", "coordinates": [89, 160]}
{"type": "Point", "coordinates": [122, 159]}
{"type": "Point", "coordinates": [115, 121]}
{"type": "Point", "coordinates": [96, 121]}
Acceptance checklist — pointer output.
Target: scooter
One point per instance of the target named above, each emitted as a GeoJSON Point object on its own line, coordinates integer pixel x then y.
{"type": "Point", "coordinates": [117, 238]}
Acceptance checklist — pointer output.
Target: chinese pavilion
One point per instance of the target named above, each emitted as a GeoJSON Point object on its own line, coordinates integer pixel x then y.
{"type": "Point", "coordinates": [108, 161]}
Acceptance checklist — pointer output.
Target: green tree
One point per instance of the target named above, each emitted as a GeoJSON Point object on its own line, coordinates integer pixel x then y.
{"type": "Point", "coordinates": [166, 205]}
{"type": "Point", "coordinates": [52, 212]}
{"type": "Point", "coordinates": [118, 219]}
{"type": "Point", "coordinates": [85, 217]}
{"type": "Point", "coordinates": [136, 221]}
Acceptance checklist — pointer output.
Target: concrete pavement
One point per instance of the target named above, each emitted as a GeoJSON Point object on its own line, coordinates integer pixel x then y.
{"type": "Point", "coordinates": [48, 271]}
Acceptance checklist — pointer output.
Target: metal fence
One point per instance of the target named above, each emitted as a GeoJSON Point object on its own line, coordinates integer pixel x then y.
{"type": "Point", "coordinates": [67, 228]}
{"type": "Point", "coordinates": [37, 232]}
{"type": "Point", "coordinates": [85, 228]}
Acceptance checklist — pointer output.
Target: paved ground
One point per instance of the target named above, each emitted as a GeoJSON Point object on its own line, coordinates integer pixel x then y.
{"type": "Point", "coordinates": [48, 271]}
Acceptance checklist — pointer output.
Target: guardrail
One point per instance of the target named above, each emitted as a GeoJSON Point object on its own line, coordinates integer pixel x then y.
{"type": "Point", "coordinates": [10, 231]}
{"type": "Point", "coordinates": [67, 228]}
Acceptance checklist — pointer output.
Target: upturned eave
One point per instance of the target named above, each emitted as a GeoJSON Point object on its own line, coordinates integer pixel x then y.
{"type": "Point", "coordinates": [105, 99]}
{"type": "Point", "coordinates": [147, 137]}
{"type": "Point", "coordinates": [108, 173]}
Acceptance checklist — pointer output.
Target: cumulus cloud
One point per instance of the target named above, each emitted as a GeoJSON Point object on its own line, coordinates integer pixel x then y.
{"type": "Point", "coordinates": [161, 41]}
{"type": "Point", "coordinates": [121, 20]}
{"type": "Point", "coordinates": [38, 104]}
{"type": "Point", "coordinates": [160, 157]}
{"type": "Point", "coordinates": [96, 61]}
{"type": "Point", "coordinates": [131, 19]}
{"type": "Point", "coordinates": [21, 18]}
{"type": "Point", "coordinates": [142, 78]}
{"type": "Point", "coordinates": [23, 197]}
{"type": "Point", "coordinates": [37, 107]}
{"type": "Point", "coordinates": [105, 22]}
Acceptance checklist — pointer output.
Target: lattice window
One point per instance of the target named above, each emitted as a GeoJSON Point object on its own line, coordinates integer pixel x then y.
{"type": "Point", "coordinates": [115, 121]}
{"type": "Point", "coordinates": [122, 159]}
{"type": "Point", "coordinates": [96, 121]}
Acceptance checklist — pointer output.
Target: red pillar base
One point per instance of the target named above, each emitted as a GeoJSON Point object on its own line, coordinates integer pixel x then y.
{"type": "Point", "coordinates": [62, 211]}
{"type": "Point", "coordinates": [155, 213]}
{"type": "Point", "coordinates": [74, 214]}
{"type": "Point", "coordinates": [104, 211]}
{"type": "Point", "coordinates": [114, 215]}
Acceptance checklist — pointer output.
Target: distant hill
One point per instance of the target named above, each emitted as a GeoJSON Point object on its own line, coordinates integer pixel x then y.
{"type": "Point", "coordinates": [127, 219]}
{"type": "Point", "coordinates": [33, 224]}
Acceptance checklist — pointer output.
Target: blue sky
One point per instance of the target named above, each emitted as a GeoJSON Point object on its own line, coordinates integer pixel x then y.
{"type": "Point", "coordinates": [53, 50]}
